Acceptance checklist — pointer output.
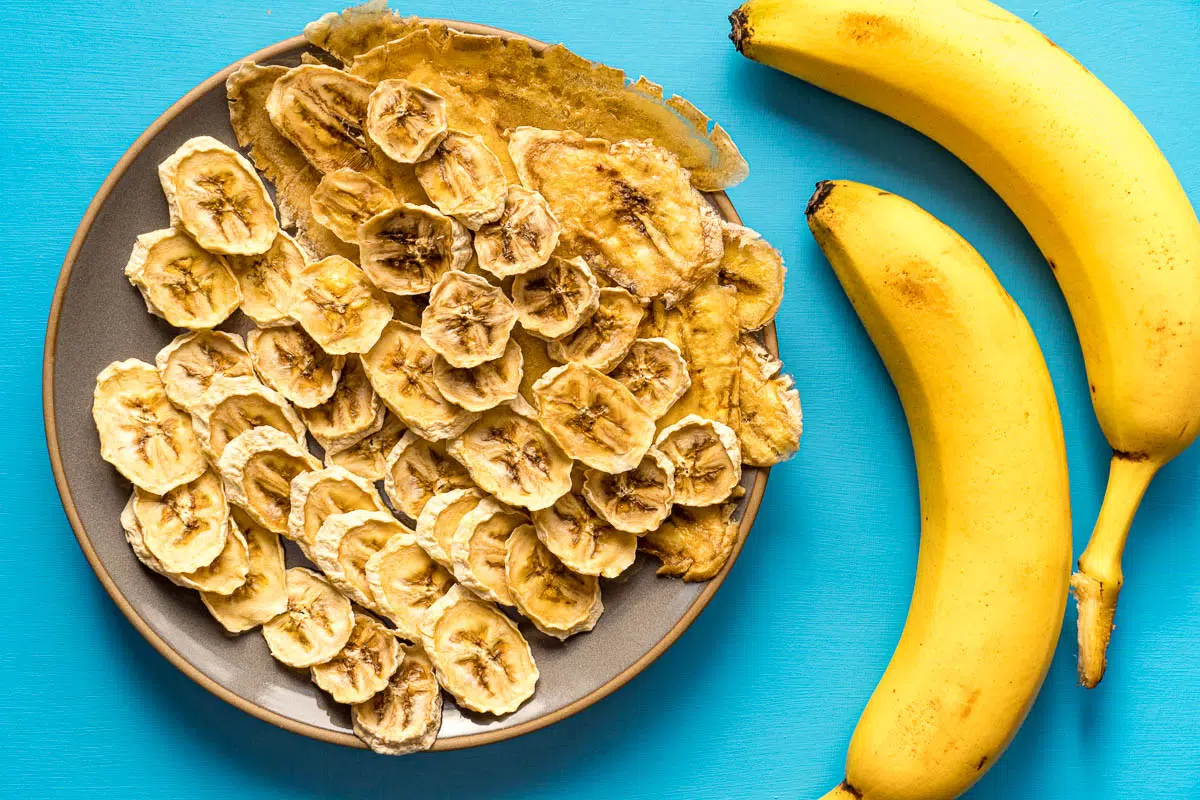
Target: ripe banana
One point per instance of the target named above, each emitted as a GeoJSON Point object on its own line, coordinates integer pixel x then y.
{"type": "Point", "coordinates": [991, 586]}
{"type": "Point", "coordinates": [1084, 177]}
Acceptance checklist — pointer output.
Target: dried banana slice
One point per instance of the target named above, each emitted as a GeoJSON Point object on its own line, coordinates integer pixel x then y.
{"type": "Point", "coordinates": [224, 575]}
{"type": "Point", "coordinates": [468, 319]}
{"type": "Point", "coordinates": [406, 250]}
{"type": "Point", "coordinates": [510, 455]}
{"type": "Point", "coordinates": [215, 195]}
{"type": "Point", "coordinates": [535, 361]}
{"type": "Point", "coordinates": [583, 540]}
{"type": "Point", "coordinates": [316, 625]}
{"type": "Point", "coordinates": [405, 582]}
{"type": "Point", "coordinates": [345, 199]}
{"type": "Point", "coordinates": [478, 654]}
{"type": "Point", "coordinates": [232, 406]}
{"type": "Point", "coordinates": [408, 307]}
{"type": "Point", "coordinates": [770, 419]}
{"type": "Point", "coordinates": [755, 269]}
{"type": "Point", "coordinates": [559, 602]}
{"type": "Point", "coordinates": [406, 716]}
{"type": "Point", "coordinates": [266, 281]}
{"type": "Point", "coordinates": [338, 306]}
{"type": "Point", "coordinates": [400, 367]}
{"type": "Point", "coordinates": [321, 110]}
{"type": "Point", "coordinates": [707, 459]}
{"type": "Point", "coordinates": [406, 120]}
{"type": "Point", "coordinates": [291, 363]}
{"type": "Point", "coordinates": [191, 361]}
{"type": "Point", "coordinates": [417, 470]}
{"type": "Point", "coordinates": [693, 543]}
{"type": "Point", "coordinates": [477, 549]}
{"type": "Point", "coordinates": [482, 387]}
{"type": "Point", "coordinates": [604, 337]}
{"type": "Point", "coordinates": [352, 413]}
{"type": "Point", "coordinates": [318, 495]}
{"type": "Point", "coordinates": [146, 438]}
{"type": "Point", "coordinates": [593, 417]}
{"type": "Point", "coordinates": [464, 179]}
{"type": "Point", "coordinates": [637, 500]}
{"type": "Point", "coordinates": [438, 522]}
{"type": "Point", "coordinates": [258, 467]}
{"type": "Point", "coordinates": [655, 372]}
{"type": "Point", "coordinates": [707, 332]}
{"type": "Point", "coordinates": [522, 239]}
{"type": "Point", "coordinates": [364, 666]}
{"type": "Point", "coordinates": [346, 542]}
{"type": "Point", "coordinates": [554, 300]}
{"type": "Point", "coordinates": [367, 458]}
{"type": "Point", "coordinates": [263, 594]}
{"type": "Point", "coordinates": [186, 528]}
{"type": "Point", "coordinates": [187, 286]}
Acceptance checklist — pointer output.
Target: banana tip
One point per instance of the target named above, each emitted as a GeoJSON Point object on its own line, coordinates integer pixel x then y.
{"type": "Point", "coordinates": [818, 197]}
{"type": "Point", "coordinates": [739, 32]}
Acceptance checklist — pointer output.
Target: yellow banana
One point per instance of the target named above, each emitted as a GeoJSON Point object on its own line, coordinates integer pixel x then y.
{"type": "Point", "coordinates": [1085, 178]}
{"type": "Point", "coordinates": [991, 586]}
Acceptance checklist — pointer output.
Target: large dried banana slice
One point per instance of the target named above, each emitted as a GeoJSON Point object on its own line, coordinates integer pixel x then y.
{"type": "Point", "coordinates": [291, 363]}
{"type": "Point", "coordinates": [606, 336]}
{"type": "Point", "coordinates": [346, 542]}
{"type": "Point", "coordinates": [755, 269]}
{"type": "Point", "coordinates": [223, 576]}
{"type": "Point", "coordinates": [406, 716]}
{"type": "Point", "coordinates": [482, 387]}
{"type": "Point", "coordinates": [345, 199]}
{"type": "Point", "coordinates": [232, 406]}
{"type": "Point", "coordinates": [771, 422]}
{"type": "Point", "coordinates": [258, 467]}
{"type": "Point", "coordinates": [406, 250]}
{"type": "Point", "coordinates": [510, 455]}
{"type": "Point", "coordinates": [522, 239]}
{"type": "Point", "coordinates": [400, 367]}
{"type": "Point", "coordinates": [364, 666]}
{"type": "Point", "coordinates": [187, 286]}
{"type": "Point", "coordinates": [477, 549]}
{"type": "Point", "coordinates": [146, 438]}
{"type": "Point", "coordinates": [190, 362]}
{"type": "Point", "coordinates": [262, 596]}
{"type": "Point", "coordinates": [352, 413]}
{"type": "Point", "coordinates": [479, 655]}
{"type": "Point", "coordinates": [438, 522]}
{"type": "Point", "coordinates": [554, 300]}
{"type": "Point", "coordinates": [338, 306]}
{"type": "Point", "coordinates": [318, 495]}
{"type": "Point", "coordinates": [583, 540]}
{"type": "Point", "coordinates": [417, 470]}
{"type": "Point", "coordinates": [464, 179]}
{"type": "Point", "coordinates": [186, 528]}
{"type": "Point", "coordinates": [593, 417]}
{"type": "Point", "coordinates": [559, 602]}
{"type": "Point", "coordinates": [406, 120]}
{"type": "Point", "coordinates": [468, 319]}
{"type": "Point", "coordinates": [693, 543]}
{"type": "Point", "coordinates": [707, 459]}
{"type": "Point", "coordinates": [637, 500]}
{"type": "Point", "coordinates": [266, 281]}
{"type": "Point", "coordinates": [655, 372]}
{"type": "Point", "coordinates": [405, 582]}
{"type": "Point", "coordinates": [316, 625]}
{"type": "Point", "coordinates": [367, 458]}
{"type": "Point", "coordinates": [321, 110]}
{"type": "Point", "coordinates": [215, 195]}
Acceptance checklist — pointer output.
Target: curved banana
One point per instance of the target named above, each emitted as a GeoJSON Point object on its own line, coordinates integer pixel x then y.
{"type": "Point", "coordinates": [1084, 177]}
{"type": "Point", "coordinates": [991, 586]}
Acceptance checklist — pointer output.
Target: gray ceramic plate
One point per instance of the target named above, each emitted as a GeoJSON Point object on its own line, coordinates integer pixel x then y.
{"type": "Point", "coordinates": [97, 318]}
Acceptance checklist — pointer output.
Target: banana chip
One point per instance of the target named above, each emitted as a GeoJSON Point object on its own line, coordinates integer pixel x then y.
{"type": "Point", "coordinates": [464, 179]}
{"type": "Point", "coordinates": [604, 338]}
{"type": "Point", "coordinates": [468, 320]}
{"type": "Point", "coordinates": [408, 308]}
{"type": "Point", "coordinates": [552, 301]}
{"type": "Point", "coordinates": [693, 543]}
{"type": "Point", "coordinates": [417, 470]}
{"type": "Point", "coordinates": [583, 540]}
{"type": "Point", "coordinates": [191, 361]}
{"type": "Point", "coordinates": [187, 286]}
{"type": "Point", "coordinates": [477, 549]}
{"type": "Point", "coordinates": [265, 280]}
{"type": "Point", "coordinates": [405, 582]}
{"type": "Point", "coordinates": [656, 373]}
{"type": "Point", "coordinates": [338, 306]}
{"type": "Point", "coordinates": [522, 239]}
{"type": "Point", "coordinates": [146, 438]}
{"type": "Point", "coordinates": [755, 269]}
{"type": "Point", "coordinates": [322, 110]}
{"type": "Point", "coordinates": [482, 387]}
{"type": "Point", "coordinates": [291, 363]}
{"type": "Point", "coordinates": [223, 576]}
{"type": "Point", "coordinates": [346, 542]}
{"type": "Point", "coordinates": [406, 716]}
{"type": "Point", "coordinates": [364, 666]}
{"type": "Point", "coordinates": [318, 495]}
{"type": "Point", "coordinates": [406, 120]}
{"type": "Point", "coordinates": [478, 654]}
{"type": "Point", "coordinates": [770, 419]}
{"type": "Point", "coordinates": [559, 602]}
{"type": "Point", "coordinates": [258, 467]}
{"type": "Point", "coordinates": [215, 195]}
{"type": "Point", "coordinates": [186, 528]}
{"type": "Point", "coordinates": [346, 199]}
{"type": "Point", "coordinates": [636, 501]}
{"type": "Point", "coordinates": [708, 338]}
{"type": "Point", "coordinates": [406, 250]}
{"type": "Point", "coordinates": [262, 596]}
{"type": "Point", "coordinates": [351, 414]}
{"type": "Point", "coordinates": [438, 522]}
{"type": "Point", "coordinates": [707, 460]}
{"type": "Point", "coordinates": [232, 406]}
{"type": "Point", "coordinates": [535, 361]}
{"type": "Point", "coordinates": [316, 625]}
{"type": "Point", "coordinates": [367, 458]}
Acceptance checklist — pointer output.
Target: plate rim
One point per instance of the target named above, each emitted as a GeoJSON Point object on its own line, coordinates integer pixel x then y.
{"type": "Point", "coordinates": [173, 656]}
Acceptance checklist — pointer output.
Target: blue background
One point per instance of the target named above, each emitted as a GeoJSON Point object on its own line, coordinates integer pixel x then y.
{"type": "Point", "coordinates": [760, 696]}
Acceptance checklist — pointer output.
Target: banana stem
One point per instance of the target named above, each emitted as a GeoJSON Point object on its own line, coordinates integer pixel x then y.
{"type": "Point", "coordinates": [843, 791]}
{"type": "Point", "coordinates": [1097, 584]}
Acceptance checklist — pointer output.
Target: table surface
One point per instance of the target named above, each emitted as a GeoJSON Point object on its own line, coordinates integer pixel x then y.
{"type": "Point", "coordinates": [759, 697]}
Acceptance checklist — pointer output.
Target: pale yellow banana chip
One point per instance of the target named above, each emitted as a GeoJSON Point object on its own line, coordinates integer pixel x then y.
{"type": "Point", "coordinates": [186, 528]}
{"type": "Point", "coordinates": [406, 716]}
{"type": "Point", "coordinates": [367, 458]}
{"type": "Point", "coordinates": [755, 269]}
{"type": "Point", "coordinates": [224, 575]}
{"type": "Point", "coordinates": [706, 332]}
{"type": "Point", "coordinates": [554, 300]}
{"type": "Point", "coordinates": [351, 413]}
{"type": "Point", "coordinates": [181, 282]}
{"type": "Point", "coordinates": [535, 361]}
{"type": "Point", "coordinates": [656, 373]}
{"type": "Point", "coordinates": [583, 540]}
{"type": "Point", "coordinates": [406, 120]}
{"type": "Point", "coordinates": [316, 625]}
{"type": "Point", "coordinates": [417, 470]}
{"type": "Point", "coordinates": [322, 111]}
{"type": "Point", "coordinates": [559, 602]}
{"type": "Point", "coordinates": [770, 417]}
{"type": "Point", "coordinates": [484, 386]}
{"type": "Point", "coordinates": [266, 281]}
{"type": "Point", "coordinates": [468, 320]}
{"type": "Point", "coordinates": [345, 199]}
{"type": "Point", "coordinates": [636, 501]}
{"type": "Point", "coordinates": [707, 460]}
{"type": "Point", "coordinates": [339, 307]}
{"type": "Point", "coordinates": [364, 666]}
{"type": "Point", "coordinates": [406, 250]}
{"type": "Point", "coordinates": [191, 361]}
{"type": "Point", "coordinates": [405, 582]}
{"type": "Point", "coordinates": [232, 406]}
{"type": "Point", "coordinates": [438, 522]}
{"type": "Point", "coordinates": [464, 179]}
{"type": "Point", "coordinates": [322, 493]}
{"type": "Point", "coordinates": [693, 543]}
{"type": "Point", "coordinates": [604, 337]}
{"type": "Point", "coordinates": [477, 549]}
{"type": "Point", "coordinates": [263, 594]}
{"type": "Point", "coordinates": [344, 545]}
{"type": "Point", "coordinates": [521, 239]}
{"type": "Point", "coordinates": [291, 363]}
{"type": "Point", "coordinates": [258, 467]}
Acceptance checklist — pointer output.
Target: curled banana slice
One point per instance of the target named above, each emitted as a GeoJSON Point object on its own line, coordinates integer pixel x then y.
{"type": "Point", "coordinates": [191, 361]}
{"type": "Point", "coordinates": [559, 602]}
{"type": "Point", "coordinates": [478, 654]}
{"type": "Point", "coordinates": [262, 595]}
{"type": "Point", "coordinates": [606, 336]}
{"type": "Point", "coordinates": [406, 120]}
{"type": "Point", "coordinates": [482, 387]}
{"type": "Point", "coordinates": [405, 582]}
{"type": "Point", "coordinates": [707, 459]}
{"type": "Point", "coordinates": [258, 467]}
{"type": "Point", "coordinates": [345, 199]}
{"type": "Point", "coordinates": [468, 320]}
{"type": "Point", "coordinates": [338, 306]}
{"type": "Point", "coordinates": [464, 179]}
{"type": "Point", "coordinates": [351, 413]}
{"type": "Point", "coordinates": [593, 418]}
{"type": "Point", "coordinates": [552, 301]}
{"type": "Point", "coordinates": [321, 110]}
{"type": "Point", "coordinates": [232, 406]}
{"type": "Point", "coordinates": [318, 495]}
{"type": "Point", "coordinates": [771, 422]}
{"type": "Point", "coordinates": [706, 331]}
{"type": "Point", "coordinates": [223, 576]}
{"type": "Point", "coordinates": [522, 239]}
{"type": "Point", "coordinates": [417, 470]}
{"type": "Point", "coordinates": [755, 269]}
{"type": "Point", "coordinates": [693, 543]}
{"type": "Point", "coordinates": [316, 625]}
{"type": "Point", "coordinates": [367, 458]}
{"type": "Point", "coordinates": [637, 500]}
{"type": "Point", "coordinates": [406, 716]}
{"type": "Point", "coordinates": [346, 542]}
{"type": "Point", "coordinates": [477, 549]}
{"type": "Point", "coordinates": [265, 280]}
{"type": "Point", "coordinates": [655, 372]}
{"type": "Point", "coordinates": [146, 438]}
{"type": "Point", "coordinates": [583, 540]}
{"type": "Point", "coordinates": [406, 250]}
{"type": "Point", "coordinates": [186, 528]}
{"type": "Point", "coordinates": [535, 361]}
{"type": "Point", "coordinates": [364, 666]}
{"type": "Point", "coordinates": [187, 286]}
{"type": "Point", "coordinates": [438, 522]}
{"type": "Point", "coordinates": [215, 195]}
{"type": "Point", "coordinates": [291, 363]}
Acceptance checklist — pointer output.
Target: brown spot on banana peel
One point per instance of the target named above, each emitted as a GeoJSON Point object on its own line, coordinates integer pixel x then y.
{"type": "Point", "coordinates": [850, 790]}
{"type": "Point", "coordinates": [982, 762]}
{"type": "Point", "coordinates": [1125, 455]}
{"type": "Point", "coordinates": [862, 28]}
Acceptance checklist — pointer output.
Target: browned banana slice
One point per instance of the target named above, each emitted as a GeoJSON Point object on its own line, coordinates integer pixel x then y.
{"type": "Point", "coordinates": [511, 456]}
{"type": "Point", "coordinates": [318, 495]}
{"type": "Point", "coordinates": [224, 575]}
{"type": "Point", "coordinates": [346, 542]}
{"type": "Point", "coordinates": [258, 467]}
{"type": "Point", "coordinates": [482, 387]}
{"type": "Point", "coordinates": [468, 319]}
{"type": "Point", "coordinates": [478, 653]}
{"type": "Point", "coordinates": [559, 602]}
{"type": "Point", "coordinates": [316, 625]}
{"type": "Point", "coordinates": [477, 549]}
{"type": "Point", "coordinates": [464, 179]}
{"type": "Point", "coordinates": [215, 195]}
{"type": "Point", "coordinates": [406, 716]}
{"type": "Point", "coordinates": [438, 522]}
{"type": "Point", "coordinates": [706, 457]}
{"type": "Point", "coordinates": [771, 422]}
{"type": "Point", "coordinates": [146, 438]}
{"type": "Point", "coordinates": [693, 543]}
{"type": "Point", "coordinates": [405, 582]}
{"type": "Point", "coordinates": [584, 541]}
{"type": "Point", "coordinates": [262, 596]}
{"type": "Point", "coordinates": [364, 666]}
{"type": "Point", "coordinates": [291, 363]}
{"type": "Point", "coordinates": [266, 281]}
{"type": "Point", "coordinates": [636, 501]}
{"type": "Point", "coordinates": [232, 406]}
{"type": "Point", "coordinates": [755, 269]}
{"type": "Point", "coordinates": [338, 306]}
{"type": "Point", "coordinates": [406, 120]}
{"type": "Point", "coordinates": [408, 249]}
{"type": "Point", "coordinates": [191, 361]}
{"type": "Point", "coordinates": [606, 336]}
{"type": "Point", "coordinates": [522, 239]}
{"type": "Point", "coordinates": [554, 300]}
{"type": "Point", "coordinates": [321, 110]}
{"type": "Point", "coordinates": [180, 282]}
{"type": "Point", "coordinates": [417, 470]}
{"type": "Point", "coordinates": [655, 372]}
{"type": "Point", "coordinates": [346, 199]}
{"type": "Point", "coordinates": [186, 528]}
{"type": "Point", "coordinates": [367, 458]}
{"type": "Point", "coordinates": [352, 413]}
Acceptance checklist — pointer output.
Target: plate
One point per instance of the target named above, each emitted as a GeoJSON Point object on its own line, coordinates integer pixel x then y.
{"type": "Point", "coordinates": [97, 317]}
